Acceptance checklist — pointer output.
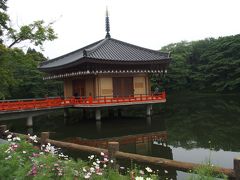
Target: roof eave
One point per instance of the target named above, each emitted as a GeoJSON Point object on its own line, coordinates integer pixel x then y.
{"type": "Point", "coordinates": [165, 61]}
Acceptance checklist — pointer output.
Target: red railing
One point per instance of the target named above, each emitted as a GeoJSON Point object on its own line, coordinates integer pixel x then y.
{"type": "Point", "coordinates": [30, 104]}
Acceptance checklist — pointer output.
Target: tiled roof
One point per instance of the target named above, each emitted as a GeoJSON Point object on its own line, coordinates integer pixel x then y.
{"type": "Point", "coordinates": [107, 49]}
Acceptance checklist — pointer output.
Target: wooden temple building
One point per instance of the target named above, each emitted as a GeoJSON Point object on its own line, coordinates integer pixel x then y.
{"type": "Point", "coordinates": [107, 68]}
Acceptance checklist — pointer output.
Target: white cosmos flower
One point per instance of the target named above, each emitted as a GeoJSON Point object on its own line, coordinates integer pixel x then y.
{"type": "Point", "coordinates": [148, 178]}
{"type": "Point", "coordinates": [87, 176]}
{"type": "Point", "coordinates": [91, 157]}
{"type": "Point", "coordinates": [148, 169]}
{"type": "Point", "coordinates": [9, 157]}
{"type": "Point", "coordinates": [9, 136]}
{"type": "Point", "coordinates": [139, 178]}
{"type": "Point", "coordinates": [16, 139]}
{"type": "Point", "coordinates": [92, 169]}
{"type": "Point", "coordinates": [99, 173]}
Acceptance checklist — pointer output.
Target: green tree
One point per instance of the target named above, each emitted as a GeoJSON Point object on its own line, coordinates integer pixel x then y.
{"type": "Point", "coordinates": [6, 76]}
{"type": "Point", "coordinates": [4, 18]}
{"type": "Point", "coordinates": [211, 65]}
{"type": "Point", "coordinates": [35, 33]}
{"type": "Point", "coordinates": [180, 55]}
{"type": "Point", "coordinates": [19, 75]}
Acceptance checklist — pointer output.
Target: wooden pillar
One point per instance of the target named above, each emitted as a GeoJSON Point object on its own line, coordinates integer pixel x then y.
{"type": "Point", "coordinates": [44, 137]}
{"type": "Point", "coordinates": [98, 114]}
{"type": "Point", "coordinates": [149, 110]}
{"type": "Point", "coordinates": [236, 168]}
{"type": "Point", "coordinates": [113, 147]}
{"type": "Point", "coordinates": [29, 121]}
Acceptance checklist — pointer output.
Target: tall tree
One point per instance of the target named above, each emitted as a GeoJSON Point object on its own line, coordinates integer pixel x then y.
{"type": "Point", "coordinates": [19, 75]}
{"type": "Point", "coordinates": [211, 65]}
{"type": "Point", "coordinates": [4, 18]}
{"type": "Point", "coordinates": [35, 33]}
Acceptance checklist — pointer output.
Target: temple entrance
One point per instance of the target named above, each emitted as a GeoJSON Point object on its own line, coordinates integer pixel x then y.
{"type": "Point", "coordinates": [123, 86]}
{"type": "Point", "coordinates": [79, 87]}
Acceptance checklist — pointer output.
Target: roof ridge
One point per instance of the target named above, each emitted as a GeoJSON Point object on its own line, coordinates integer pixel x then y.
{"type": "Point", "coordinates": [142, 48]}
{"type": "Point", "coordinates": [94, 48]}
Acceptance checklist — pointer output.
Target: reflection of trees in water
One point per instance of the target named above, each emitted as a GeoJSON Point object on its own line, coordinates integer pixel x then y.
{"type": "Point", "coordinates": [193, 121]}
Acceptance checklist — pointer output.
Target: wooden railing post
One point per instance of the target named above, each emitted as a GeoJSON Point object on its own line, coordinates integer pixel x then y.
{"type": "Point", "coordinates": [113, 147]}
{"type": "Point", "coordinates": [44, 137]}
{"type": "Point", "coordinates": [236, 168]}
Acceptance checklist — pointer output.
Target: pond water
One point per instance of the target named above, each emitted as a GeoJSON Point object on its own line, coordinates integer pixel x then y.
{"type": "Point", "coordinates": [189, 127]}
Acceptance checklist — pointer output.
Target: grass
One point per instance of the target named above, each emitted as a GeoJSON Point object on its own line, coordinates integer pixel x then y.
{"type": "Point", "coordinates": [206, 172]}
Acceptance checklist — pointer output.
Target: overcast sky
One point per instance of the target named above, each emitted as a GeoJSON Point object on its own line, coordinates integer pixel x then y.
{"type": "Point", "coordinates": [147, 23]}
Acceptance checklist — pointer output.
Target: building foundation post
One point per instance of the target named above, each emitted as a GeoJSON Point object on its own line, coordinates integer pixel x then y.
{"type": "Point", "coordinates": [66, 113]}
{"type": "Point", "coordinates": [149, 109]}
{"type": "Point", "coordinates": [29, 121]}
{"type": "Point", "coordinates": [98, 114]}
{"type": "Point", "coordinates": [91, 114]}
{"type": "Point", "coordinates": [98, 126]}
{"type": "Point", "coordinates": [149, 121]}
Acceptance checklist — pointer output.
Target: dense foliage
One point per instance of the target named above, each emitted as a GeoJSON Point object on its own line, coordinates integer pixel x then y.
{"type": "Point", "coordinates": [19, 75]}
{"type": "Point", "coordinates": [211, 65]}
{"type": "Point", "coordinates": [36, 32]}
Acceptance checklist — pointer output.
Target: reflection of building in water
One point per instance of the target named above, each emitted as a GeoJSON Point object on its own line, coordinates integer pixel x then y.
{"type": "Point", "coordinates": [148, 144]}
{"type": "Point", "coordinates": [151, 144]}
